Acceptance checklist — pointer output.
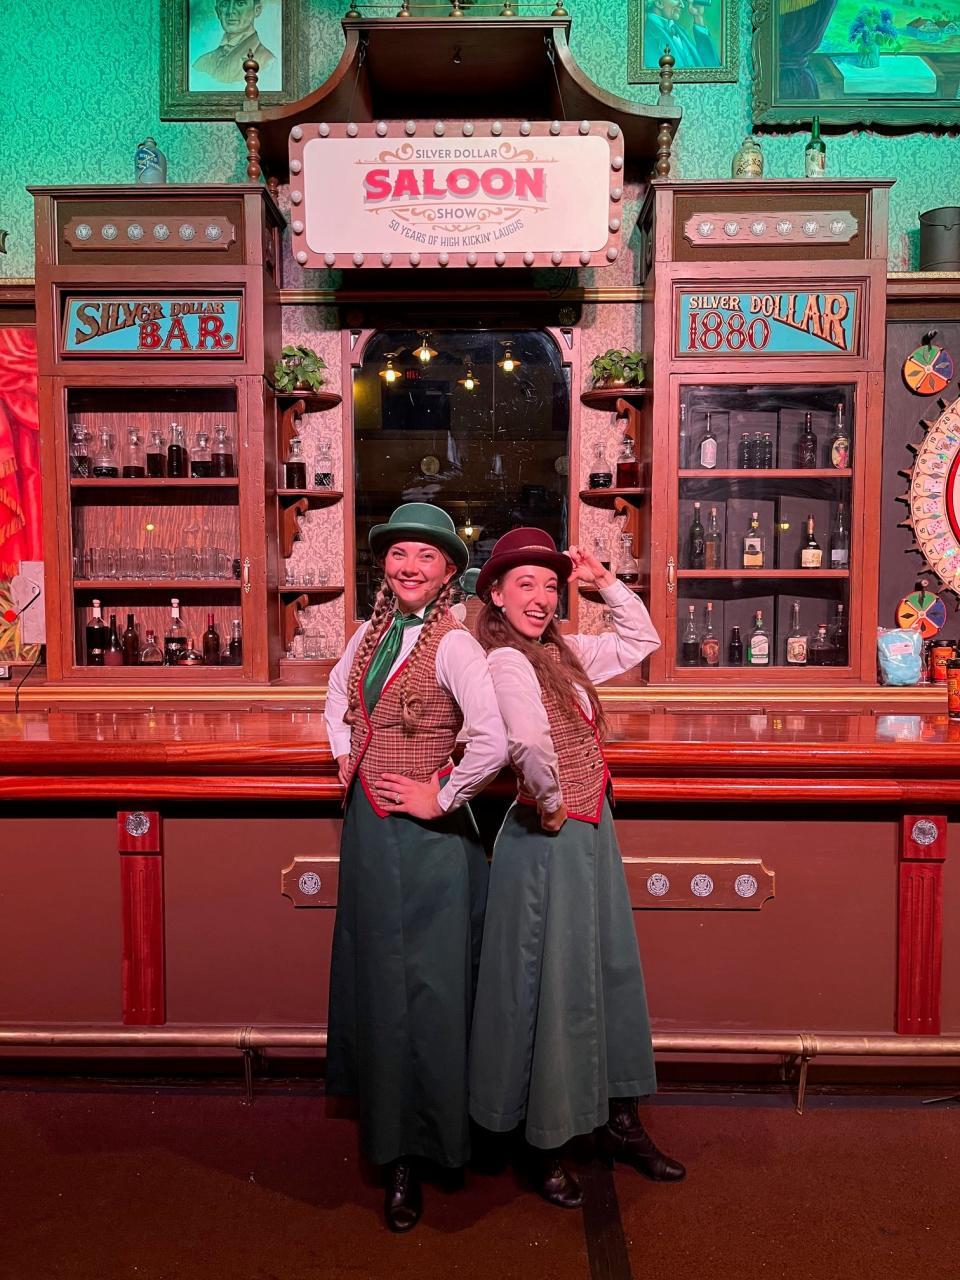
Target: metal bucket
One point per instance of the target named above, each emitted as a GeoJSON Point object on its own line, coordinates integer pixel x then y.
{"type": "Point", "coordinates": [940, 239]}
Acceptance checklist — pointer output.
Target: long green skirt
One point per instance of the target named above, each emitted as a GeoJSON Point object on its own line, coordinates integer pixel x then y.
{"type": "Point", "coordinates": [406, 945]}
{"type": "Point", "coordinates": [560, 1024]}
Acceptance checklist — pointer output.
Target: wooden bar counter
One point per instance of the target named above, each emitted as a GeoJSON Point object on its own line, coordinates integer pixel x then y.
{"type": "Point", "coordinates": [174, 865]}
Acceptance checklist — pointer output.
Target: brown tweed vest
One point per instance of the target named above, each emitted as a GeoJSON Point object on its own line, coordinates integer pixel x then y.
{"type": "Point", "coordinates": [582, 767]}
{"type": "Point", "coordinates": [379, 743]}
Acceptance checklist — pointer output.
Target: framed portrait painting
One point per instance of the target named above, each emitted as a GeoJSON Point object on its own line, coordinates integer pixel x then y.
{"type": "Point", "coordinates": [204, 43]}
{"type": "Point", "coordinates": [850, 63]}
{"type": "Point", "coordinates": [700, 34]}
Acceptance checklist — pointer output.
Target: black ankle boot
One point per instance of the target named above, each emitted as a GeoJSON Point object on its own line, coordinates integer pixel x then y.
{"type": "Point", "coordinates": [551, 1180]}
{"type": "Point", "coordinates": [402, 1196]}
{"type": "Point", "coordinates": [624, 1138]}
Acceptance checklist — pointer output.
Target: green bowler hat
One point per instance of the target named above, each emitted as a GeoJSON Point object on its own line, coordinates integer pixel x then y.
{"type": "Point", "coordinates": [468, 581]}
{"type": "Point", "coordinates": [420, 522]}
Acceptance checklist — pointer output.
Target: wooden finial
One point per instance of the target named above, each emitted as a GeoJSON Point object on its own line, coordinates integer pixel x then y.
{"type": "Point", "coordinates": [353, 12]}
{"type": "Point", "coordinates": [251, 69]}
{"type": "Point", "coordinates": [455, 10]}
{"type": "Point", "coordinates": [273, 185]}
{"type": "Point", "coordinates": [667, 63]}
{"type": "Point", "coordinates": [664, 139]}
{"type": "Point", "coordinates": [404, 9]}
{"type": "Point", "coordinates": [559, 11]}
{"type": "Point", "coordinates": [252, 135]}
{"type": "Point", "coordinates": [508, 10]}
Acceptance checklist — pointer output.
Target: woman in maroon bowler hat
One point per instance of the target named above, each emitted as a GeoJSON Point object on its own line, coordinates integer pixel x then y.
{"type": "Point", "coordinates": [561, 1038]}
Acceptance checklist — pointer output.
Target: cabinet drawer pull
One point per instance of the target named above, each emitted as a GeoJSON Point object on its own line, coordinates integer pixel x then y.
{"type": "Point", "coordinates": [671, 575]}
{"type": "Point", "coordinates": [246, 576]}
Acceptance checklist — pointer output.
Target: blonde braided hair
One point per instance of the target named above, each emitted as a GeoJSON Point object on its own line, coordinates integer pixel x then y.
{"type": "Point", "coordinates": [380, 619]}
{"type": "Point", "coordinates": [412, 708]}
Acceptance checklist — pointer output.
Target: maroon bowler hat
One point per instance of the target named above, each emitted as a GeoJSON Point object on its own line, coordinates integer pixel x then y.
{"type": "Point", "coordinates": [523, 546]}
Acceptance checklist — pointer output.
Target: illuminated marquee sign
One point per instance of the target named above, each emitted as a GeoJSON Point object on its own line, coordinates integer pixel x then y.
{"type": "Point", "coordinates": [144, 325]}
{"type": "Point", "coordinates": [934, 497]}
{"type": "Point", "coordinates": [475, 193]}
{"type": "Point", "coordinates": [768, 322]}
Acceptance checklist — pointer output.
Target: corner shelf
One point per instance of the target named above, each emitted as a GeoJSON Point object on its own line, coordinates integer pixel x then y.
{"type": "Point", "coordinates": [772, 575]}
{"type": "Point", "coordinates": [318, 400]}
{"type": "Point", "coordinates": [316, 497]}
{"type": "Point", "coordinates": [605, 398]}
{"type": "Point", "coordinates": [598, 495]}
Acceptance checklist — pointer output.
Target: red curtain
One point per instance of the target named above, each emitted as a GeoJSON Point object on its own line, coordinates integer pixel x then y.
{"type": "Point", "coordinates": [21, 536]}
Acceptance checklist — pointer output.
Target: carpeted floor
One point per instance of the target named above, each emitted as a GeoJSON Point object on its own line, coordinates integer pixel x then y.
{"type": "Point", "coordinates": [117, 1182]}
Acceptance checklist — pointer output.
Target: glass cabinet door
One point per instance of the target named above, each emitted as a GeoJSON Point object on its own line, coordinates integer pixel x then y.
{"type": "Point", "coordinates": [763, 537]}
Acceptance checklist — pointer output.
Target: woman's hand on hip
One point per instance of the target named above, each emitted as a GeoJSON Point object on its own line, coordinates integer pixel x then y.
{"type": "Point", "coordinates": [398, 794]}
{"type": "Point", "coordinates": [553, 820]}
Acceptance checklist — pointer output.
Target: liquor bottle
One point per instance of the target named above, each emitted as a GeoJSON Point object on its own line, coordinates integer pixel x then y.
{"type": "Point", "coordinates": [683, 443]}
{"type": "Point", "coordinates": [235, 647]}
{"type": "Point", "coordinates": [201, 461]}
{"type": "Point", "coordinates": [756, 451]}
{"type": "Point", "coordinates": [151, 655]}
{"type": "Point", "coordinates": [175, 637]}
{"type": "Point", "coordinates": [602, 551]}
{"type": "Point", "coordinates": [744, 452]}
{"type": "Point", "coordinates": [712, 547]}
{"type": "Point", "coordinates": [753, 544]}
{"type": "Point", "coordinates": [105, 465]}
{"type": "Point", "coordinates": [758, 644]}
{"type": "Point", "coordinates": [156, 454]}
{"type": "Point", "coordinates": [113, 653]}
{"type": "Point", "coordinates": [796, 645]}
{"type": "Point", "coordinates": [294, 467]}
{"type": "Point", "coordinates": [79, 451]}
{"type": "Point", "coordinates": [130, 640]}
{"type": "Point", "coordinates": [211, 643]}
{"type": "Point", "coordinates": [190, 656]}
{"type": "Point", "coordinates": [176, 452]}
{"type": "Point", "coordinates": [690, 641]}
{"type": "Point", "coordinates": [221, 455]}
{"type": "Point", "coordinates": [735, 648]}
{"type": "Point", "coordinates": [807, 445]}
{"type": "Point", "coordinates": [820, 650]}
{"type": "Point", "coordinates": [96, 637]}
{"type": "Point", "coordinates": [815, 153]}
{"type": "Point", "coordinates": [709, 641]}
{"type": "Point", "coordinates": [696, 553]}
{"type": "Point", "coordinates": [323, 465]}
{"type": "Point", "coordinates": [708, 446]}
{"type": "Point", "coordinates": [811, 553]}
{"type": "Point", "coordinates": [767, 462]}
{"type": "Point", "coordinates": [839, 541]}
{"type": "Point", "coordinates": [628, 566]}
{"type": "Point", "coordinates": [601, 477]}
{"type": "Point", "coordinates": [840, 444]}
{"type": "Point", "coordinates": [134, 462]}
{"type": "Point", "coordinates": [628, 469]}
{"type": "Point", "coordinates": [838, 638]}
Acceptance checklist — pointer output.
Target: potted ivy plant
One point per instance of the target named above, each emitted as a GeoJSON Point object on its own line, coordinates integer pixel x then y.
{"type": "Point", "coordinates": [299, 369]}
{"type": "Point", "coordinates": [618, 368]}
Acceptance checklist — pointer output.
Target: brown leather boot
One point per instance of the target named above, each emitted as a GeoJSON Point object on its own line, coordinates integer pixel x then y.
{"type": "Point", "coordinates": [551, 1180]}
{"type": "Point", "coordinates": [624, 1138]}
{"type": "Point", "coordinates": [402, 1196]}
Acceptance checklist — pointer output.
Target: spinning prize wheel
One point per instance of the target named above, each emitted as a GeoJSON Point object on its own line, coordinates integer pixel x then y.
{"type": "Point", "coordinates": [929, 369]}
{"type": "Point", "coordinates": [923, 609]}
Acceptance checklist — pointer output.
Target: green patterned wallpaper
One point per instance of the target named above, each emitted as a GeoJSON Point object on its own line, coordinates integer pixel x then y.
{"type": "Point", "coordinates": [85, 92]}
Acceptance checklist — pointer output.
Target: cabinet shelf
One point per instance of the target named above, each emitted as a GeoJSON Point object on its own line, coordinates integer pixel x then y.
{"type": "Point", "coordinates": [317, 497]}
{"type": "Point", "coordinates": [325, 590]}
{"type": "Point", "coordinates": [598, 495]}
{"type": "Point", "coordinates": [316, 401]}
{"type": "Point", "coordinates": [125, 485]}
{"type": "Point", "coordinates": [156, 584]}
{"type": "Point", "coordinates": [607, 397]}
{"type": "Point", "coordinates": [766, 473]}
{"type": "Point", "coordinates": [771, 575]}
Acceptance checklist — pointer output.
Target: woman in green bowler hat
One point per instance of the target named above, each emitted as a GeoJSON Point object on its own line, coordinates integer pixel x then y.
{"type": "Point", "coordinates": [561, 1040]}
{"type": "Point", "coordinates": [413, 876]}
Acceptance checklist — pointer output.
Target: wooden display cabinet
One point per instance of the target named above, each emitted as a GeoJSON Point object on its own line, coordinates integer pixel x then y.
{"type": "Point", "coordinates": [767, 313]}
{"type": "Point", "coordinates": [156, 305]}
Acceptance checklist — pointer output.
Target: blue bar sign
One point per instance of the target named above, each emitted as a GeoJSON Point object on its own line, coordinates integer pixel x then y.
{"type": "Point", "coordinates": [152, 326]}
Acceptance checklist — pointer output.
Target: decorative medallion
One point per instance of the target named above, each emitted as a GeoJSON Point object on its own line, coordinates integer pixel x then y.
{"type": "Point", "coordinates": [923, 832]}
{"type": "Point", "coordinates": [745, 886]}
{"type": "Point", "coordinates": [161, 231]}
{"type": "Point", "coordinates": [134, 231]}
{"type": "Point", "coordinates": [310, 883]}
{"type": "Point", "coordinates": [100, 232]}
{"type": "Point", "coordinates": [658, 884]}
{"type": "Point", "coordinates": [109, 231]}
{"type": "Point", "coordinates": [934, 496]}
{"type": "Point", "coordinates": [83, 231]}
{"type": "Point", "coordinates": [831, 226]}
{"type": "Point", "coordinates": [429, 465]}
{"type": "Point", "coordinates": [698, 884]}
{"type": "Point", "coordinates": [701, 886]}
{"type": "Point", "coordinates": [186, 231]}
{"type": "Point", "coordinates": [213, 231]}
{"type": "Point", "coordinates": [137, 824]}
{"type": "Point", "coordinates": [928, 370]}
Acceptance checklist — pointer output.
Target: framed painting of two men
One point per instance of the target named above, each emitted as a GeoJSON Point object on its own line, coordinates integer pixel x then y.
{"type": "Point", "coordinates": [701, 36]}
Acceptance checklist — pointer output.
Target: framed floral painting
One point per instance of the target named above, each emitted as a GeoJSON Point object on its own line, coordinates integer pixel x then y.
{"type": "Point", "coordinates": [894, 63]}
{"type": "Point", "coordinates": [203, 46]}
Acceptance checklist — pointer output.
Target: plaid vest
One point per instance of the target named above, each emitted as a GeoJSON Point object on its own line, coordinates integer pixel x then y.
{"type": "Point", "coordinates": [379, 743]}
{"type": "Point", "coordinates": [581, 764]}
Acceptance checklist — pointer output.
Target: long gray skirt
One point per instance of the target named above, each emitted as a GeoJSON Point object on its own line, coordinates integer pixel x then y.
{"type": "Point", "coordinates": [406, 945]}
{"type": "Point", "coordinates": [560, 1024]}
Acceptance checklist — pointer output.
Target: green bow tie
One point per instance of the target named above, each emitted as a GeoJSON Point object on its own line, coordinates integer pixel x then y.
{"type": "Point", "coordinates": [386, 655]}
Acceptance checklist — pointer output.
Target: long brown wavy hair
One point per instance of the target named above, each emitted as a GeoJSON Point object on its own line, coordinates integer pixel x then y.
{"type": "Point", "coordinates": [380, 619]}
{"type": "Point", "coordinates": [557, 667]}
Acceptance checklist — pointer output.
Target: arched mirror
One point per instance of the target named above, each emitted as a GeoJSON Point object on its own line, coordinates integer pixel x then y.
{"type": "Point", "coordinates": [477, 422]}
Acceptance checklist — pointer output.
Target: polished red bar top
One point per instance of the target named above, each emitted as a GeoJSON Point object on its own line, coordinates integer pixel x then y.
{"type": "Point", "coordinates": [261, 749]}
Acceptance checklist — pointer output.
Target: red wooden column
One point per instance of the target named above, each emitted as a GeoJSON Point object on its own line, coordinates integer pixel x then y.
{"type": "Point", "coordinates": [923, 849]}
{"type": "Point", "coordinates": [141, 886]}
